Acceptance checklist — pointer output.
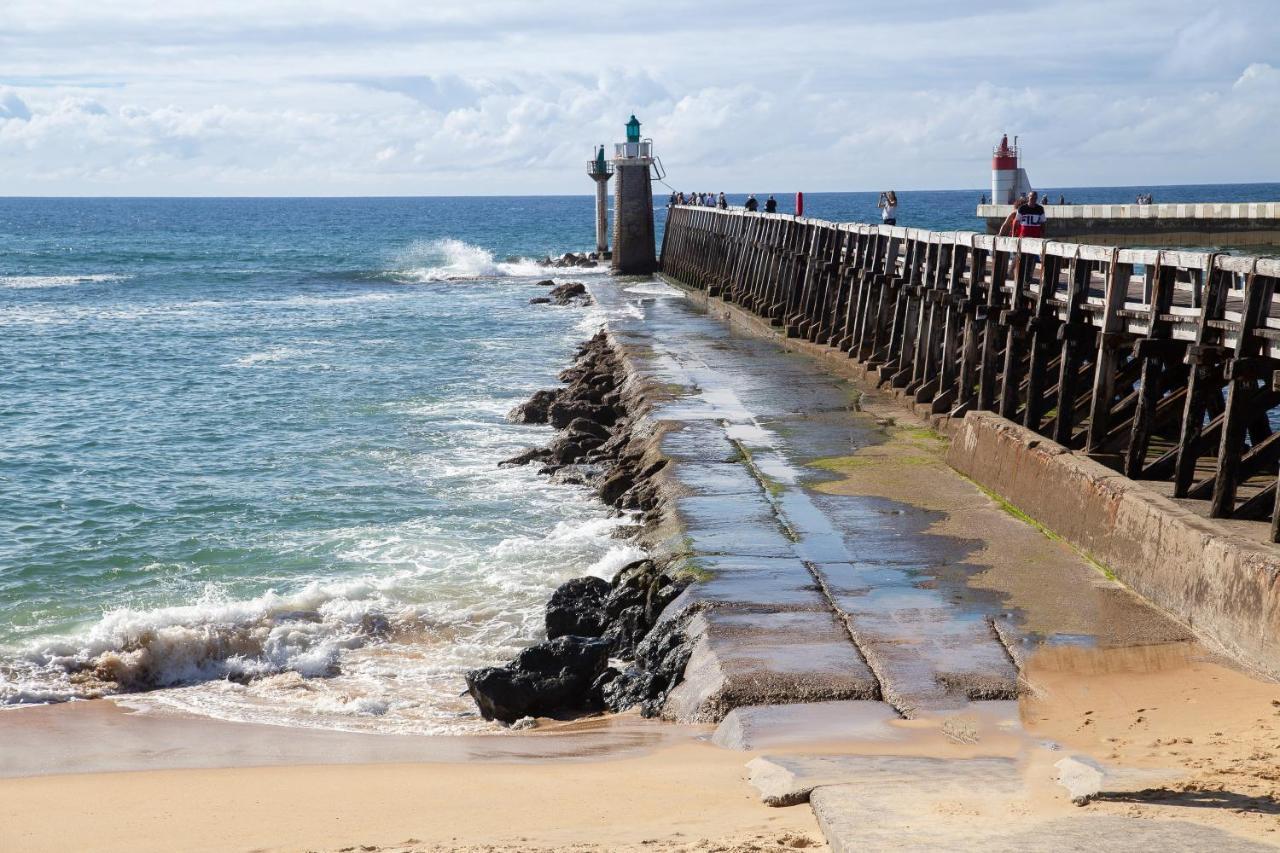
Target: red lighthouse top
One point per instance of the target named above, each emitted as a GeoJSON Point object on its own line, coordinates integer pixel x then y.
{"type": "Point", "coordinates": [1005, 156]}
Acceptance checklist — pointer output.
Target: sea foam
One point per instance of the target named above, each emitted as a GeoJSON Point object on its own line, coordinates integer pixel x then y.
{"type": "Point", "coordinates": [454, 260]}
{"type": "Point", "coordinates": [36, 281]}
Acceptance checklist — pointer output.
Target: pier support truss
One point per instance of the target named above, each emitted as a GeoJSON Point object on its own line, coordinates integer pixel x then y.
{"type": "Point", "coordinates": [1164, 365]}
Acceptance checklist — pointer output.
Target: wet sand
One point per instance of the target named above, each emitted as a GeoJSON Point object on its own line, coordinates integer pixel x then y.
{"type": "Point", "coordinates": [597, 785]}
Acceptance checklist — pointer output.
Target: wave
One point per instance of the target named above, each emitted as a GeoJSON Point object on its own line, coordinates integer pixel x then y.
{"type": "Point", "coordinates": [23, 282]}
{"type": "Point", "coordinates": [454, 260]}
{"type": "Point", "coordinates": [132, 650]}
{"type": "Point", "coordinates": [380, 652]}
{"type": "Point", "coordinates": [268, 356]}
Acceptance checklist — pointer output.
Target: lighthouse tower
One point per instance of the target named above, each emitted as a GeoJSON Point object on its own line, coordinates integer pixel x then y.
{"type": "Point", "coordinates": [601, 170]}
{"type": "Point", "coordinates": [1008, 179]}
{"type": "Point", "coordinates": [633, 246]}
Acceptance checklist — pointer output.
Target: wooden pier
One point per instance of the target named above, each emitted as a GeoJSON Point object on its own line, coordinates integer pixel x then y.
{"type": "Point", "coordinates": [1159, 364]}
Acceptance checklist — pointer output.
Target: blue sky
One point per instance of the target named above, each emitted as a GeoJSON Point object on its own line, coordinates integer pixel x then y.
{"type": "Point", "coordinates": [384, 97]}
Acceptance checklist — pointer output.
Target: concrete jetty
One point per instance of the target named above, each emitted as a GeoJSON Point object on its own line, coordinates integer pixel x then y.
{"type": "Point", "coordinates": [847, 579]}
{"type": "Point", "coordinates": [1232, 224]}
{"type": "Point", "coordinates": [1120, 397]}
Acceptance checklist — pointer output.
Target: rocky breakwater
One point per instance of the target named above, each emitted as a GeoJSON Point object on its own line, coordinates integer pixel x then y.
{"type": "Point", "coordinates": [568, 293]}
{"type": "Point", "coordinates": [606, 648]}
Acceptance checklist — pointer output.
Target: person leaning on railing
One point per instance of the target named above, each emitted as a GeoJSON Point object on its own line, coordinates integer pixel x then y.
{"type": "Point", "coordinates": [1026, 219]}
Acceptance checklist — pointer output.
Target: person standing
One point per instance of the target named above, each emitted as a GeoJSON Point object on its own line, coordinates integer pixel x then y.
{"type": "Point", "coordinates": [1027, 218]}
{"type": "Point", "coordinates": [888, 208]}
{"type": "Point", "coordinates": [722, 202]}
{"type": "Point", "coordinates": [771, 205]}
{"type": "Point", "coordinates": [752, 205]}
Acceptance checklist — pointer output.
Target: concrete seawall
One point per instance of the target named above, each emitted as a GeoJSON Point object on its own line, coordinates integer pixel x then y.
{"type": "Point", "coordinates": [1230, 224]}
{"type": "Point", "coordinates": [1225, 585]}
{"type": "Point", "coordinates": [1067, 373]}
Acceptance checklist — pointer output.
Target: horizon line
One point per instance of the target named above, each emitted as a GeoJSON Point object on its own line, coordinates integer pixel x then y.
{"type": "Point", "coordinates": [589, 195]}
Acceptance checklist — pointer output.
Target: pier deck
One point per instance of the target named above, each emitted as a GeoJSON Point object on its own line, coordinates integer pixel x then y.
{"type": "Point", "coordinates": [1157, 365]}
{"type": "Point", "coordinates": [850, 580]}
{"type": "Point", "coordinates": [1188, 224]}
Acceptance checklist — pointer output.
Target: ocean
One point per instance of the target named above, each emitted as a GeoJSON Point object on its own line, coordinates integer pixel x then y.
{"type": "Point", "coordinates": [249, 447]}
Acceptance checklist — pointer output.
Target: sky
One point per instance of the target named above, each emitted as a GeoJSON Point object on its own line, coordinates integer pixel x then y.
{"type": "Point", "coordinates": [497, 97]}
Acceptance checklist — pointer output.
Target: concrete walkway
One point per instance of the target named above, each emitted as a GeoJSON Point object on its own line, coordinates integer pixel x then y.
{"type": "Point", "coordinates": [852, 581]}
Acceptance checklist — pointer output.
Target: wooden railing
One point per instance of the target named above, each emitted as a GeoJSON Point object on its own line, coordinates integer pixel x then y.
{"type": "Point", "coordinates": [1161, 364]}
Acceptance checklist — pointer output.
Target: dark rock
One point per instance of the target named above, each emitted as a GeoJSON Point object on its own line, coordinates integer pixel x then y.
{"type": "Point", "coordinates": [562, 414]}
{"type": "Point", "coordinates": [540, 300]}
{"type": "Point", "coordinates": [578, 474]}
{"type": "Point", "coordinates": [633, 686]}
{"type": "Point", "coordinates": [614, 486]}
{"type": "Point", "coordinates": [577, 607]}
{"type": "Point", "coordinates": [534, 410]}
{"type": "Point", "coordinates": [547, 678]}
{"type": "Point", "coordinates": [659, 663]}
{"type": "Point", "coordinates": [547, 282]}
{"type": "Point", "coordinates": [533, 454]}
{"type": "Point", "coordinates": [566, 293]}
{"type": "Point", "coordinates": [626, 630]}
{"type": "Point", "coordinates": [583, 426]}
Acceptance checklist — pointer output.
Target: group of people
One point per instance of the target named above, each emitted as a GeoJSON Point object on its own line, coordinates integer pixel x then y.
{"type": "Point", "coordinates": [1146, 198]}
{"type": "Point", "coordinates": [700, 199]}
{"type": "Point", "coordinates": [888, 203]}
{"type": "Point", "coordinates": [752, 204]}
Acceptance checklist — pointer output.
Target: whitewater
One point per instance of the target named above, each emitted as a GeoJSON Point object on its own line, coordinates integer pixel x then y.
{"type": "Point", "coordinates": [253, 468]}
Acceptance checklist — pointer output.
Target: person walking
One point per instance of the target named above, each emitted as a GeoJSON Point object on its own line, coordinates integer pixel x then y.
{"type": "Point", "coordinates": [722, 202]}
{"type": "Point", "coordinates": [770, 205]}
{"type": "Point", "coordinates": [888, 205]}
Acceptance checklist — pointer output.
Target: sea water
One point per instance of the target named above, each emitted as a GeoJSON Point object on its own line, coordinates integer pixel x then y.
{"type": "Point", "coordinates": [249, 452]}
{"type": "Point", "coordinates": [249, 447]}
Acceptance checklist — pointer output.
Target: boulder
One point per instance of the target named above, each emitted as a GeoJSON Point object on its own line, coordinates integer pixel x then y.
{"type": "Point", "coordinates": [533, 454]}
{"type": "Point", "coordinates": [533, 410]}
{"type": "Point", "coordinates": [577, 607]}
{"type": "Point", "coordinates": [566, 293]}
{"type": "Point", "coordinates": [659, 663]}
{"type": "Point", "coordinates": [547, 282]}
{"type": "Point", "coordinates": [540, 300]}
{"type": "Point", "coordinates": [615, 485]}
{"type": "Point", "coordinates": [561, 414]}
{"type": "Point", "coordinates": [578, 474]}
{"type": "Point", "coordinates": [548, 678]}
{"type": "Point", "coordinates": [582, 426]}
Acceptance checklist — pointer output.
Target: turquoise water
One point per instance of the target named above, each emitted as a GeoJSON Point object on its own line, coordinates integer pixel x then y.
{"type": "Point", "coordinates": [250, 443]}
{"type": "Point", "coordinates": [248, 447]}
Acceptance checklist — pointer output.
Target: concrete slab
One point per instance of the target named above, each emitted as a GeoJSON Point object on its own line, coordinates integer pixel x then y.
{"type": "Point", "coordinates": [764, 657]}
{"type": "Point", "coordinates": [945, 813]}
{"type": "Point", "coordinates": [744, 581]}
{"type": "Point", "coordinates": [785, 780]}
{"type": "Point", "coordinates": [770, 726]}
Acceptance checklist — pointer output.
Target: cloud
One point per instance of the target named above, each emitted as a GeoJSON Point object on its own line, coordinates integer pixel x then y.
{"type": "Point", "coordinates": [499, 96]}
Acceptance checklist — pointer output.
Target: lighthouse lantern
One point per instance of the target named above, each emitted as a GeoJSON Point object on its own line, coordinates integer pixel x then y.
{"type": "Point", "coordinates": [633, 129]}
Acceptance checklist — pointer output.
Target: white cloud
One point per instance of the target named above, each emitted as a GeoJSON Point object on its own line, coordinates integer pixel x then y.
{"type": "Point", "coordinates": [498, 96]}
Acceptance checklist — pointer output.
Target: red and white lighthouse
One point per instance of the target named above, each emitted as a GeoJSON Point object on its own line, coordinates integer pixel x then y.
{"type": "Point", "coordinates": [1008, 179]}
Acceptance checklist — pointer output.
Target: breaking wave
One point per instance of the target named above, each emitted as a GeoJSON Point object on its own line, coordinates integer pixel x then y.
{"type": "Point", "coordinates": [34, 281]}
{"type": "Point", "coordinates": [454, 260]}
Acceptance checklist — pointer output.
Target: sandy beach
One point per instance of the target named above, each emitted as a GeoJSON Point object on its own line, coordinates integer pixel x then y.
{"type": "Point", "coordinates": [620, 783]}
{"type": "Point", "coordinates": [666, 791]}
